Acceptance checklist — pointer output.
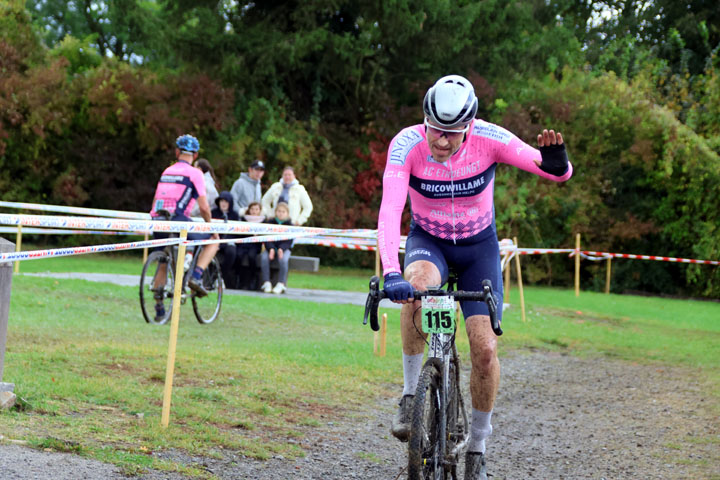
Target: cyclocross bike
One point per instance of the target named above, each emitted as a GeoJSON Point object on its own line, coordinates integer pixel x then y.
{"type": "Point", "coordinates": [157, 286]}
{"type": "Point", "coordinates": [439, 429]}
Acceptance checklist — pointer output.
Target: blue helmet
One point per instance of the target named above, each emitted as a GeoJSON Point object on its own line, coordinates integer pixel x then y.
{"type": "Point", "coordinates": [187, 143]}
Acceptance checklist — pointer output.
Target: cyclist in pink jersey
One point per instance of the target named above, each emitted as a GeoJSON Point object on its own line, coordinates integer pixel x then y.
{"type": "Point", "coordinates": [446, 165]}
{"type": "Point", "coordinates": [180, 186]}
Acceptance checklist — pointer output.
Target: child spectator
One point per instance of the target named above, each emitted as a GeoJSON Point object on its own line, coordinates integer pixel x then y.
{"type": "Point", "coordinates": [247, 276]}
{"type": "Point", "coordinates": [279, 250]}
{"type": "Point", "coordinates": [224, 210]}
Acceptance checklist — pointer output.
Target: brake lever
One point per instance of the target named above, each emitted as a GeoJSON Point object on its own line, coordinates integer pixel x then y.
{"type": "Point", "coordinates": [371, 304]}
{"type": "Point", "coordinates": [492, 307]}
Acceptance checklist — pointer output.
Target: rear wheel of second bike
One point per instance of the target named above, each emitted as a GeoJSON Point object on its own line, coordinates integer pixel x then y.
{"type": "Point", "coordinates": [425, 458]}
{"type": "Point", "coordinates": [156, 288]}
{"type": "Point", "coordinates": [207, 308]}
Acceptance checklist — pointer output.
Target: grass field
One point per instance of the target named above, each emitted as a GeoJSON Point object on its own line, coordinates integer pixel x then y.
{"type": "Point", "coordinates": [91, 372]}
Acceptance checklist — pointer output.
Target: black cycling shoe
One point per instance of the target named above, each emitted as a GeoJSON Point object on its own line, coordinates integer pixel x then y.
{"type": "Point", "coordinates": [197, 287]}
{"type": "Point", "coordinates": [475, 466]}
{"type": "Point", "coordinates": [401, 423]}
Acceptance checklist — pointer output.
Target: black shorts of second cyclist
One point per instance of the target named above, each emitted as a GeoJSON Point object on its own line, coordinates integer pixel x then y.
{"type": "Point", "coordinates": [473, 260]}
{"type": "Point", "coordinates": [178, 218]}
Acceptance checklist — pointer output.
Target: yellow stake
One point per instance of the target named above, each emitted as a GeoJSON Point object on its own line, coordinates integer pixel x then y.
{"type": "Point", "coordinates": [577, 265]}
{"type": "Point", "coordinates": [519, 282]}
{"type": "Point", "coordinates": [145, 250]}
{"type": "Point", "coordinates": [383, 334]}
{"type": "Point", "coordinates": [18, 247]}
{"type": "Point", "coordinates": [174, 323]}
{"type": "Point", "coordinates": [607, 275]}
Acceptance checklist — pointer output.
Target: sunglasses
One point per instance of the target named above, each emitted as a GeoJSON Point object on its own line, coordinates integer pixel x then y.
{"type": "Point", "coordinates": [438, 132]}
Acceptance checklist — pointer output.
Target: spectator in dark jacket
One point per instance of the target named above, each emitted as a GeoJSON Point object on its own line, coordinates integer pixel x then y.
{"type": "Point", "coordinates": [249, 251]}
{"type": "Point", "coordinates": [279, 250]}
{"type": "Point", "coordinates": [224, 210]}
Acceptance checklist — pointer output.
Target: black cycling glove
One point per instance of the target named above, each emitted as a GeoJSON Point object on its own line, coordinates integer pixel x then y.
{"type": "Point", "coordinates": [396, 287]}
{"type": "Point", "coordinates": [554, 159]}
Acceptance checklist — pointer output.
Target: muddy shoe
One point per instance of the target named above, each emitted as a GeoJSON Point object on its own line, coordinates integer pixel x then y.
{"type": "Point", "coordinates": [159, 312]}
{"type": "Point", "coordinates": [197, 287]}
{"type": "Point", "coordinates": [475, 466]}
{"type": "Point", "coordinates": [401, 423]}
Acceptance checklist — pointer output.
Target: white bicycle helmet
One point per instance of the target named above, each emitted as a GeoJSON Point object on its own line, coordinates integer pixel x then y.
{"type": "Point", "coordinates": [451, 102]}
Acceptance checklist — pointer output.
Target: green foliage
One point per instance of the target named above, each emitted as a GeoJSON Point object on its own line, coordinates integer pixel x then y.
{"type": "Point", "coordinates": [643, 181]}
{"type": "Point", "coordinates": [323, 86]}
{"type": "Point", "coordinates": [80, 54]}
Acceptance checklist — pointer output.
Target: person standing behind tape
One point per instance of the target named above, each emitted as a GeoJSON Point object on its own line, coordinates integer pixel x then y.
{"type": "Point", "coordinates": [288, 190]}
{"type": "Point", "coordinates": [246, 189]}
{"type": "Point", "coordinates": [211, 191]}
{"type": "Point", "coordinates": [180, 186]}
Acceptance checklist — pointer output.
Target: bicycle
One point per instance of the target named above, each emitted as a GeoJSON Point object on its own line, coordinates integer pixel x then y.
{"type": "Point", "coordinates": [439, 429]}
{"type": "Point", "coordinates": [157, 287]}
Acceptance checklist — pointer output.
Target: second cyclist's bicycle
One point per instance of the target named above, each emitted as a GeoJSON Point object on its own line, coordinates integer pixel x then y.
{"type": "Point", "coordinates": [157, 287]}
{"type": "Point", "coordinates": [439, 429]}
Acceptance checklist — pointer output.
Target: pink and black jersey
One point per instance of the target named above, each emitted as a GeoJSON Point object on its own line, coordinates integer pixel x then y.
{"type": "Point", "coordinates": [179, 187]}
{"type": "Point", "coordinates": [452, 200]}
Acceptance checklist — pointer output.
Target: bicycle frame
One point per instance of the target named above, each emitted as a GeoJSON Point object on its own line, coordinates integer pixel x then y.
{"type": "Point", "coordinates": [442, 354]}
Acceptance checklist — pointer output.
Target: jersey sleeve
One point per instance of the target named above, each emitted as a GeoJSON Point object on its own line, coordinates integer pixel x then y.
{"type": "Point", "coordinates": [395, 190]}
{"type": "Point", "coordinates": [511, 150]}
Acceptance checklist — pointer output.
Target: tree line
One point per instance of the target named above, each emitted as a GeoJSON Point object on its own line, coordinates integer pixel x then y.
{"type": "Point", "coordinates": [93, 94]}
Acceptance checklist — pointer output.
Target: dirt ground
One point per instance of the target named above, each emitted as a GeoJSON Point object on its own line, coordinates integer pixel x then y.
{"type": "Point", "coordinates": [557, 417]}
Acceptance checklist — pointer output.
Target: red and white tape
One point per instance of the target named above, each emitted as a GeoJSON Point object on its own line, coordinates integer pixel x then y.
{"type": "Point", "coordinates": [649, 257]}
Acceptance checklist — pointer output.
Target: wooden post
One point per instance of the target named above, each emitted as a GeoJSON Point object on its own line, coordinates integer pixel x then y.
{"type": "Point", "coordinates": [174, 323]}
{"type": "Point", "coordinates": [577, 265]}
{"type": "Point", "coordinates": [377, 259]}
{"type": "Point", "coordinates": [6, 273]}
{"type": "Point", "coordinates": [18, 247]}
{"type": "Point", "coordinates": [506, 286]}
{"type": "Point", "coordinates": [607, 275]}
{"type": "Point", "coordinates": [145, 250]}
{"type": "Point", "coordinates": [519, 282]}
{"type": "Point", "coordinates": [383, 334]}
{"type": "Point", "coordinates": [376, 340]}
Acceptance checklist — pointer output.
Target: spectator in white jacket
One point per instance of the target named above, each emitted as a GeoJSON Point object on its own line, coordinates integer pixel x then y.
{"type": "Point", "coordinates": [210, 184]}
{"type": "Point", "coordinates": [288, 190]}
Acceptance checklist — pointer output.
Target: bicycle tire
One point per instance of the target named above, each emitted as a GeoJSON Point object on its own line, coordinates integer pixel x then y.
{"type": "Point", "coordinates": [207, 308]}
{"type": "Point", "coordinates": [457, 421]}
{"type": "Point", "coordinates": [150, 295]}
{"type": "Point", "coordinates": [425, 460]}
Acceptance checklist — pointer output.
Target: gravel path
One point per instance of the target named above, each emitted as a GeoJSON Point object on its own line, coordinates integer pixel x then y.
{"type": "Point", "coordinates": [557, 417]}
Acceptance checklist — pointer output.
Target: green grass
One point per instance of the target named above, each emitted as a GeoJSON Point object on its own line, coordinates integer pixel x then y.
{"type": "Point", "coordinates": [92, 372]}
{"type": "Point", "coordinates": [130, 263]}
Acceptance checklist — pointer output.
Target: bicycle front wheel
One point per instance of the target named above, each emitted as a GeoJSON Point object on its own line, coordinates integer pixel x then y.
{"type": "Point", "coordinates": [157, 284]}
{"type": "Point", "coordinates": [207, 308]}
{"type": "Point", "coordinates": [425, 456]}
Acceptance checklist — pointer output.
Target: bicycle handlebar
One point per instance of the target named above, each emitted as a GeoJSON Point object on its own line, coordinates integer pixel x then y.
{"type": "Point", "coordinates": [486, 295]}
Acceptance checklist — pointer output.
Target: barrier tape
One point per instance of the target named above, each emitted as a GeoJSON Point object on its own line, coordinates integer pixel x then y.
{"type": "Point", "coordinates": [649, 257]}
{"type": "Point", "coordinates": [329, 243]}
{"type": "Point", "coordinates": [540, 251]}
{"type": "Point", "coordinates": [356, 239]}
{"type": "Point", "coordinates": [55, 231]}
{"type": "Point", "coordinates": [256, 239]}
{"type": "Point", "coordinates": [129, 225]}
{"type": "Point", "coordinates": [64, 252]}
{"type": "Point", "coordinates": [77, 210]}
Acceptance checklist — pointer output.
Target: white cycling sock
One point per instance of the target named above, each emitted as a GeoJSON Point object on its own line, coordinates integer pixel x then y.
{"type": "Point", "coordinates": [412, 364]}
{"type": "Point", "coordinates": [479, 430]}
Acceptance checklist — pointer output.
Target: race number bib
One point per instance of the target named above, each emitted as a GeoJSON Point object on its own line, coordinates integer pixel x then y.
{"type": "Point", "coordinates": [438, 314]}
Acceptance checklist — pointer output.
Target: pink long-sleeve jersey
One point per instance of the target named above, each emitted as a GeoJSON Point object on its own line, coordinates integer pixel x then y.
{"type": "Point", "coordinates": [451, 200]}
